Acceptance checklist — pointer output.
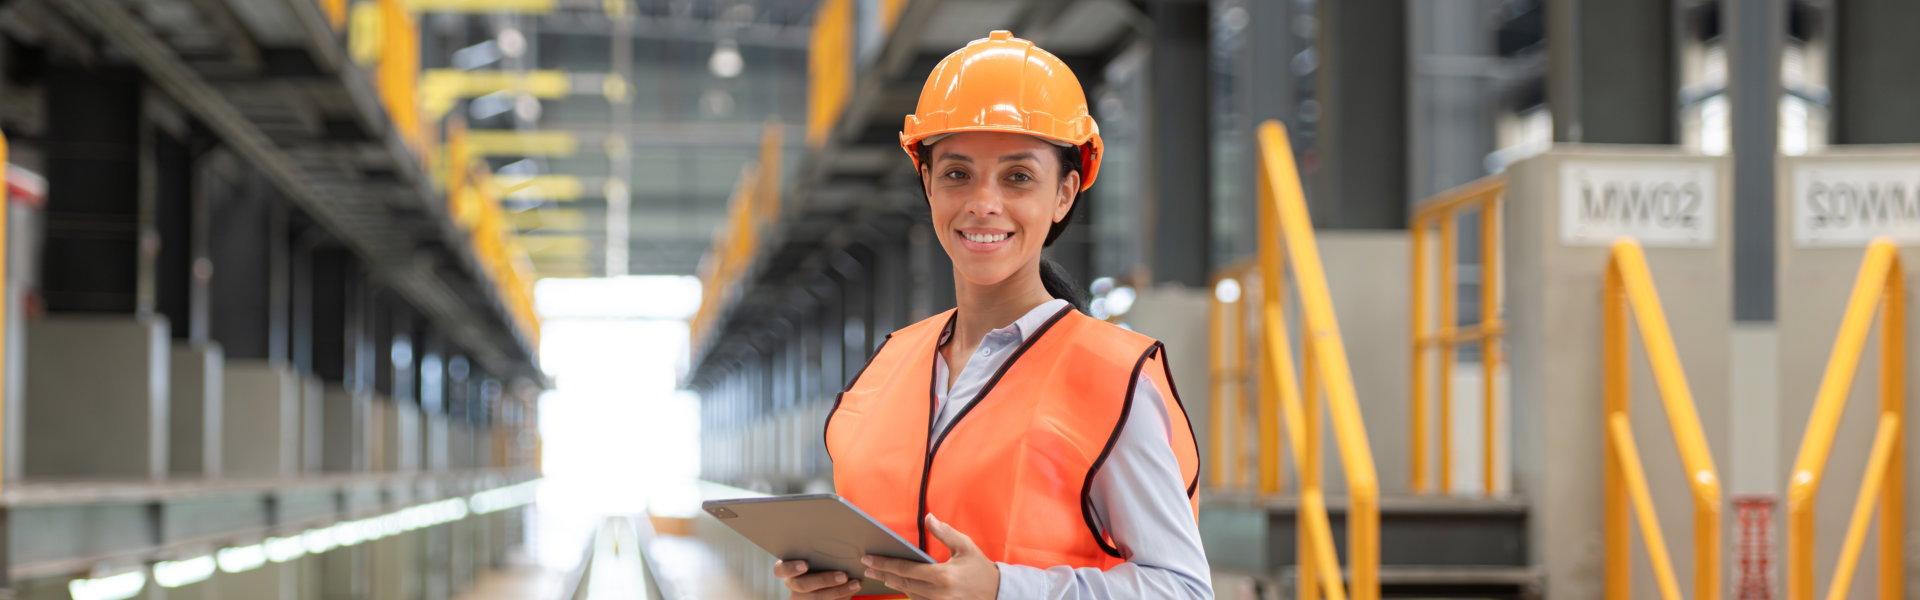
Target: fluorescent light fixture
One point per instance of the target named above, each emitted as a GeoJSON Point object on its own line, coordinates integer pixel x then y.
{"type": "Point", "coordinates": [113, 587]}
{"type": "Point", "coordinates": [240, 559]}
{"type": "Point", "coordinates": [503, 498]}
{"type": "Point", "coordinates": [285, 549]}
{"type": "Point", "coordinates": [726, 62]}
{"type": "Point", "coordinates": [173, 574]}
{"type": "Point", "coordinates": [318, 540]}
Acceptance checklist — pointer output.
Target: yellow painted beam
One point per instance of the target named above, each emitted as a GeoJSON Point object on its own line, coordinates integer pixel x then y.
{"type": "Point", "coordinates": [484, 6]}
{"type": "Point", "coordinates": [543, 187]}
{"type": "Point", "coordinates": [546, 248]}
{"type": "Point", "coordinates": [523, 143]}
{"type": "Point", "coordinates": [549, 219]}
{"type": "Point", "coordinates": [439, 88]}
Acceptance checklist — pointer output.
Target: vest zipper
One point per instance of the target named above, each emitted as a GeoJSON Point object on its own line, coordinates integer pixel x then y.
{"type": "Point", "coordinates": [933, 408]}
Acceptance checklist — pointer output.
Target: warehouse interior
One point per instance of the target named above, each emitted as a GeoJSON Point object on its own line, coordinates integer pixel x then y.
{"type": "Point", "coordinates": [478, 299]}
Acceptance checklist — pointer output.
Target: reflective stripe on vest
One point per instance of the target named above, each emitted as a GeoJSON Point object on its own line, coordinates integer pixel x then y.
{"type": "Point", "coordinates": [1014, 469]}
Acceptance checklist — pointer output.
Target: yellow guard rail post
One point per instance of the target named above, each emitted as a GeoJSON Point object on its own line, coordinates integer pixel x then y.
{"type": "Point", "coordinates": [1437, 216]}
{"type": "Point", "coordinates": [1324, 369]}
{"type": "Point", "coordinates": [1881, 283]}
{"type": "Point", "coordinates": [1227, 324]}
{"type": "Point", "coordinates": [1628, 284]}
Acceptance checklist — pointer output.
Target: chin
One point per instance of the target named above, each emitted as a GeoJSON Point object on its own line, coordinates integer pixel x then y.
{"type": "Point", "coordinates": [985, 275]}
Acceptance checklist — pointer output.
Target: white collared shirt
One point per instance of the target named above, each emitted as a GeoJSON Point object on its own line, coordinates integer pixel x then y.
{"type": "Point", "coordinates": [1139, 497]}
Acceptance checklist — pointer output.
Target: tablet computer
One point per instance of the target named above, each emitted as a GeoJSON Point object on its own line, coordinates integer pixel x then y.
{"type": "Point", "coordinates": [825, 530]}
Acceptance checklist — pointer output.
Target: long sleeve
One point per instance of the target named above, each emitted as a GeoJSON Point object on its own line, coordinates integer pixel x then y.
{"type": "Point", "coordinates": [1140, 499]}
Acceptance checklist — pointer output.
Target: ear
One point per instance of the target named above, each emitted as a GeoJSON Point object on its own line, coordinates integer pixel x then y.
{"type": "Point", "coordinates": [1068, 192]}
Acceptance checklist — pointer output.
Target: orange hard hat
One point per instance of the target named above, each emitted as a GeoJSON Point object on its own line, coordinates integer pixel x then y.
{"type": "Point", "coordinates": [1004, 83]}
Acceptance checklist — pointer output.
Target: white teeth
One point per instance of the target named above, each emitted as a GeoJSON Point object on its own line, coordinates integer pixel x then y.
{"type": "Point", "coordinates": [984, 238]}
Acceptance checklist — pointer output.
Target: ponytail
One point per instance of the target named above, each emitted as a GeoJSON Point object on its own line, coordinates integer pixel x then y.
{"type": "Point", "coordinates": [1060, 284]}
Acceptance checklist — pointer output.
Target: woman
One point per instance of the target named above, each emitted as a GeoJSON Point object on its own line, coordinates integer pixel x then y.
{"type": "Point", "coordinates": [1046, 451]}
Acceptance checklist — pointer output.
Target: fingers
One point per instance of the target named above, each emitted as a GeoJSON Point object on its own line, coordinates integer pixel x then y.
{"type": "Point", "coordinates": [788, 569]}
{"type": "Point", "coordinates": [957, 542]}
{"type": "Point", "coordinates": [835, 592]}
{"type": "Point", "coordinates": [897, 566]}
{"type": "Point", "coordinates": [912, 587]}
{"type": "Point", "coordinates": [818, 582]}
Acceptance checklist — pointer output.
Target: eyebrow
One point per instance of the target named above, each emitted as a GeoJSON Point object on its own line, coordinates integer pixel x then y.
{"type": "Point", "coordinates": [958, 157]}
{"type": "Point", "coordinates": [1017, 157]}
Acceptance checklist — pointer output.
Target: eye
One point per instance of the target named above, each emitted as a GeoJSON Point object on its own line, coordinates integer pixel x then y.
{"type": "Point", "coordinates": [1020, 177]}
{"type": "Point", "coordinates": [954, 174]}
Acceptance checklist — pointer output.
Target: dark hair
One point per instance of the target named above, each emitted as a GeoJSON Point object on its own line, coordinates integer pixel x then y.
{"type": "Point", "coordinates": [1058, 282]}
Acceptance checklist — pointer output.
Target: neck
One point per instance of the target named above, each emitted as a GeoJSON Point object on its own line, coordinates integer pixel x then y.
{"type": "Point", "coordinates": [983, 308]}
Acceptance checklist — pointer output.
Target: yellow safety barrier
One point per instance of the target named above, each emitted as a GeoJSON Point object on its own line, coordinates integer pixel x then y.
{"type": "Point", "coordinates": [1227, 323]}
{"type": "Point", "coordinates": [1324, 374]}
{"type": "Point", "coordinates": [398, 73]}
{"type": "Point", "coordinates": [1628, 285]}
{"type": "Point", "coordinates": [1440, 214]}
{"type": "Point", "coordinates": [1881, 284]}
{"type": "Point", "coordinates": [336, 11]}
{"type": "Point", "coordinates": [829, 67]}
{"type": "Point", "coordinates": [752, 210]}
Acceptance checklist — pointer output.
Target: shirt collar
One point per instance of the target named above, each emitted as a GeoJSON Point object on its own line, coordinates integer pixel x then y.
{"type": "Point", "coordinates": [1023, 326]}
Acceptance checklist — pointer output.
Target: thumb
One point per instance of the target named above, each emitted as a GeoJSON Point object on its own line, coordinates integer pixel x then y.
{"type": "Point", "coordinates": [957, 542]}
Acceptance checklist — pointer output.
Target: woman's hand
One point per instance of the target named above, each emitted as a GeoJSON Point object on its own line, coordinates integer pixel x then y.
{"type": "Point", "coordinates": [828, 585]}
{"type": "Point", "coordinates": [967, 575]}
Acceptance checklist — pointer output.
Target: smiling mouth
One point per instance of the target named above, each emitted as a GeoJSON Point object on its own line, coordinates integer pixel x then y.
{"type": "Point", "coordinates": [986, 238]}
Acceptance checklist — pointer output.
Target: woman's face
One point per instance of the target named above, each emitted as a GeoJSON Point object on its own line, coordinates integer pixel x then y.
{"type": "Point", "coordinates": [994, 196]}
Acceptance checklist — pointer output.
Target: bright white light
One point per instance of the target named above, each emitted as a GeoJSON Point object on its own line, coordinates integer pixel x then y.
{"type": "Point", "coordinates": [318, 540]}
{"type": "Point", "coordinates": [1101, 286]}
{"type": "Point", "coordinates": [726, 62]}
{"type": "Point", "coordinates": [1098, 308]}
{"type": "Point", "coordinates": [631, 297]}
{"type": "Point", "coordinates": [503, 498]}
{"type": "Point", "coordinates": [527, 108]}
{"type": "Point", "coordinates": [173, 574]}
{"type": "Point", "coordinates": [1228, 290]}
{"type": "Point", "coordinates": [512, 42]}
{"type": "Point", "coordinates": [114, 587]}
{"type": "Point", "coordinates": [240, 559]}
{"type": "Point", "coordinates": [1120, 300]}
{"type": "Point", "coordinates": [285, 549]}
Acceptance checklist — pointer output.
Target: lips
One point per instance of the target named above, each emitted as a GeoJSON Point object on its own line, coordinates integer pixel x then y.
{"type": "Point", "coordinates": [984, 240]}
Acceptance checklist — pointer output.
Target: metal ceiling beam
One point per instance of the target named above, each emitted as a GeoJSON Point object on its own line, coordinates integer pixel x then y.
{"type": "Point", "coordinates": [372, 238]}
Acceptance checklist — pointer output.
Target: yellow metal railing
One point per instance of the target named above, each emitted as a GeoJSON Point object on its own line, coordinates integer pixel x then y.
{"type": "Point", "coordinates": [829, 67]}
{"type": "Point", "coordinates": [1628, 285]}
{"type": "Point", "coordinates": [1287, 244]}
{"type": "Point", "coordinates": [1881, 284]}
{"type": "Point", "coordinates": [1440, 335]}
{"type": "Point", "coordinates": [751, 212]}
{"type": "Point", "coordinates": [1227, 323]}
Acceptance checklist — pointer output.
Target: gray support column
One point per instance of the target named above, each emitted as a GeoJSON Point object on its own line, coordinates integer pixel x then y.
{"type": "Point", "coordinates": [250, 260]}
{"type": "Point", "coordinates": [1755, 32]}
{"type": "Point", "coordinates": [93, 261]}
{"type": "Point", "coordinates": [1179, 144]}
{"type": "Point", "coordinates": [1361, 90]}
{"type": "Point", "coordinates": [1453, 105]}
{"type": "Point", "coordinates": [345, 398]}
{"type": "Point", "coordinates": [1612, 76]}
{"type": "Point", "coordinates": [196, 363]}
{"type": "Point", "coordinates": [1876, 72]}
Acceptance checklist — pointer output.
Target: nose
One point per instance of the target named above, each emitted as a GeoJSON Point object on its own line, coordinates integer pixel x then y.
{"type": "Point", "coordinates": [987, 202]}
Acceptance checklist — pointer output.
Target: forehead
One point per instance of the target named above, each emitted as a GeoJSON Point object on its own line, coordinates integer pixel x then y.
{"type": "Point", "coordinates": [991, 144]}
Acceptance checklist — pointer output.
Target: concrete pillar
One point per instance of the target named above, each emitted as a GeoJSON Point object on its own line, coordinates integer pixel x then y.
{"type": "Point", "coordinates": [261, 411]}
{"type": "Point", "coordinates": [97, 397]}
{"type": "Point", "coordinates": [313, 418]}
{"type": "Point", "coordinates": [1611, 78]}
{"type": "Point", "coordinates": [1179, 143]}
{"type": "Point", "coordinates": [1558, 230]}
{"type": "Point", "coordinates": [347, 397]}
{"type": "Point", "coordinates": [1361, 131]}
{"type": "Point", "coordinates": [195, 410]}
{"type": "Point", "coordinates": [1823, 235]}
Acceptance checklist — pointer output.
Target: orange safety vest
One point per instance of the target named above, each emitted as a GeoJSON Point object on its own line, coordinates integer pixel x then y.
{"type": "Point", "coordinates": [1014, 470]}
